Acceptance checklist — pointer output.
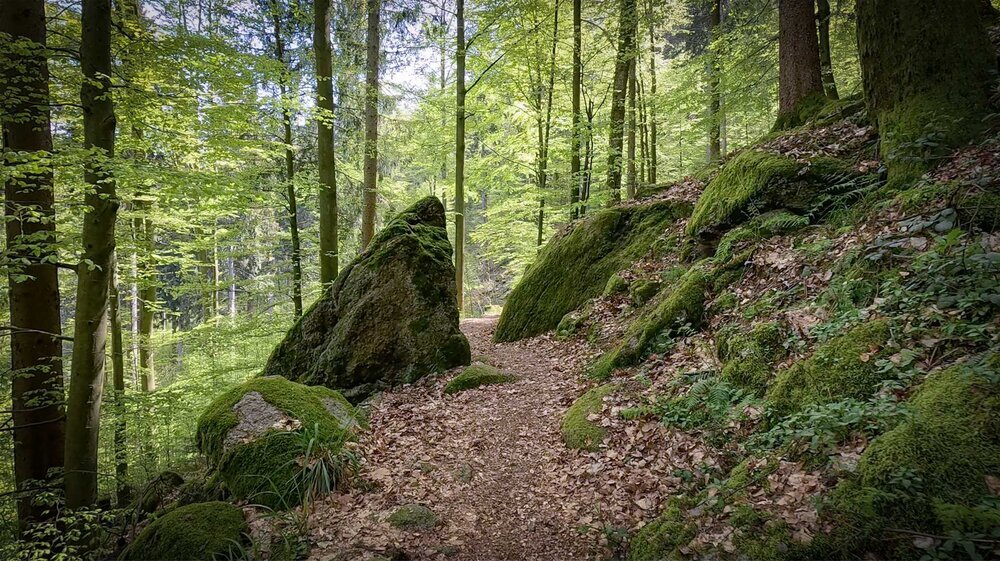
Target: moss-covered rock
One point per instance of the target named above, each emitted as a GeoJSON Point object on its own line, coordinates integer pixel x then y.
{"type": "Point", "coordinates": [389, 318]}
{"type": "Point", "coordinates": [749, 358]}
{"type": "Point", "coordinates": [926, 68]}
{"type": "Point", "coordinates": [755, 182]}
{"type": "Point", "coordinates": [675, 306]}
{"type": "Point", "coordinates": [159, 491]}
{"type": "Point", "coordinates": [476, 375]}
{"type": "Point", "coordinates": [615, 285]}
{"type": "Point", "coordinates": [254, 434]}
{"type": "Point", "coordinates": [642, 290]}
{"type": "Point", "coordinates": [579, 432]}
{"type": "Point", "coordinates": [576, 264]}
{"type": "Point", "coordinates": [661, 539]}
{"type": "Point", "coordinates": [572, 322]}
{"type": "Point", "coordinates": [980, 209]}
{"type": "Point", "coordinates": [842, 367]}
{"type": "Point", "coordinates": [203, 531]}
{"type": "Point", "coordinates": [413, 517]}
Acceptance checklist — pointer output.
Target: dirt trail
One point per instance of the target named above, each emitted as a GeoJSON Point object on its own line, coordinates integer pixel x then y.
{"type": "Point", "coordinates": [491, 464]}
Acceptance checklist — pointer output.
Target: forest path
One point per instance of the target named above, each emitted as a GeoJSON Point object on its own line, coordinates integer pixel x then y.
{"type": "Point", "coordinates": [489, 462]}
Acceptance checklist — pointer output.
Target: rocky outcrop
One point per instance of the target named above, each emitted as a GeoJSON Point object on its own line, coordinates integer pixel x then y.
{"type": "Point", "coordinates": [390, 318]}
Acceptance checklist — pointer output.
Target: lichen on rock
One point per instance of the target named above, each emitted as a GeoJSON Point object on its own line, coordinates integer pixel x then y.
{"type": "Point", "coordinates": [253, 435]}
{"type": "Point", "coordinates": [390, 318]}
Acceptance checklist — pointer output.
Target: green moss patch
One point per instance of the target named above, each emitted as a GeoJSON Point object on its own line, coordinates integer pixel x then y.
{"type": "Point", "coordinates": [260, 465]}
{"type": "Point", "coordinates": [840, 368]}
{"type": "Point", "coordinates": [749, 358]}
{"type": "Point", "coordinates": [476, 375]}
{"type": "Point", "coordinates": [577, 431]}
{"type": "Point", "coordinates": [661, 539]}
{"type": "Point", "coordinates": [576, 265]}
{"type": "Point", "coordinates": [413, 517]}
{"type": "Point", "coordinates": [198, 531]}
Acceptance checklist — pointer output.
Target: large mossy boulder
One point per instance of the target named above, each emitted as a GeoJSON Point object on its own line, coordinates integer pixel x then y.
{"type": "Point", "coordinates": [755, 182]}
{"type": "Point", "coordinates": [203, 531]}
{"type": "Point", "coordinates": [390, 317]}
{"type": "Point", "coordinates": [256, 435]}
{"type": "Point", "coordinates": [576, 264]}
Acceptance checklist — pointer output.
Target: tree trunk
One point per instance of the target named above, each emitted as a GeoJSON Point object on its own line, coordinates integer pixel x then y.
{"type": "Point", "coordinates": [147, 299]}
{"type": "Point", "coordinates": [926, 66]}
{"type": "Point", "coordinates": [460, 151]}
{"type": "Point", "coordinates": [91, 328]}
{"type": "Point", "coordinates": [545, 127]}
{"type": "Point", "coordinates": [328, 251]}
{"type": "Point", "coordinates": [286, 121]}
{"type": "Point", "coordinates": [626, 52]}
{"type": "Point", "coordinates": [574, 158]}
{"type": "Point", "coordinates": [118, 379]}
{"type": "Point", "coordinates": [371, 125]}
{"type": "Point", "coordinates": [715, 93]}
{"type": "Point", "coordinates": [35, 342]}
{"type": "Point", "coordinates": [798, 59]}
{"type": "Point", "coordinates": [825, 60]}
{"type": "Point", "coordinates": [630, 181]}
{"type": "Point", "coordinates": [651, 112]}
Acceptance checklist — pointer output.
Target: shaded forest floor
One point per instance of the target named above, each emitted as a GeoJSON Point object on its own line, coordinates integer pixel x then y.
{"type": "Point", "coordinates": [491, 464]}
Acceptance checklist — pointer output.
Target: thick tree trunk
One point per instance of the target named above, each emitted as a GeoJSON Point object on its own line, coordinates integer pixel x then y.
{"type": "Point", "coordinates": [926, 66]}
{"type": "Point", "coordinates": [825, 60]}
{"type": "Point", "coordinates": [35, 342]}
{"type": "Point", "coordinates": [328, 251]}
{"type": "Point", "coordinates": [371, 125]}
{"type": "Point", "coordinates": [460, 151]}
{"type": "Point", "coordinates": [626, 52]}
{"type": "Point", "coordinates": [714, 83]}
{"type": "Point", "coordinates": [574, 158]}
{"type": "Point", "coordinates": [798, 59]}
{"type": "Point", "coordinates": [91, 329]}
{"type": "Point", "coordinates": [118, 379]}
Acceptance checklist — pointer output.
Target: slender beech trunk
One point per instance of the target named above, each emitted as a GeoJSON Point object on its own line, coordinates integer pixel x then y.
{"type": "Point", "coordinates": [118, 380]}
{"type": "Point", "coordinates": [328, 252]}
{"type": "Point", "coordinates": [643, 128]}
{"type": "Point", "coordinates": [825, 60]}
{"type": "Point", "coordinates": [460, 151]}
{"type": "Point", "coordinates": [651, 111]}
{"type": "Point", "coordinates": [143, 226]}
{"type": "Point", "coordinates": [35, 341]}
{"type": "Point", "coordinates": [93, 275]}
{"type": "Point", "coordinates": [798, 56]}
{"type": "Point", "coordinates": [286, 121]}
{"type": "Point", "coordinates": [371, 125]}
{"type": "Point", "coordinates": [714, 82]}
{"type": "Point", "coordinates": [626, 52]}
{"type": "Point", "coordinates": [545, 127]}
{"type": "Point", "coordinates": [574, 158]}
{"type": "Point", "coordinates": [630, 175]}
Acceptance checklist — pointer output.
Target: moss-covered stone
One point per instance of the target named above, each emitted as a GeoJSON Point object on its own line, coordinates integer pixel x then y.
{"type": "Point", "coordinates": [572, 322]}
{"type": "Point", "coordinates": [252, 435]}
{"type": "Point", "coordinates": [755, 182]}
{"type": "Point", "coordinates": [926, 68]}
{"type": "Point", "coordinates": [202, 531]}
{"type": "Point", "coordinates": [642, 290]}
{"type": "Point", "coordinates": [576, 264]}
{"type": "Point", "coordinates": [749, 358]}
{"type": "Point", "coordinates": [980, 209]}
{"type": "Point", "coordinates": [476, 375]}
{"type": "Point", "coordinates": [678, 305]}
{"type": "Point", "coordinates": [389, 318]}
{"type": "Point", "coordinates": [615, 285]}
{"type": "Point", "coordinates": [840, 368]}
{"type": "Point", "coordinates": [159, 491]}
{"type": "Point", "coordinates": [661, 539]}
{"type": "Point", "coordinates": [579, 432]}
{"type": "Point", "coordinates": [413, 517]}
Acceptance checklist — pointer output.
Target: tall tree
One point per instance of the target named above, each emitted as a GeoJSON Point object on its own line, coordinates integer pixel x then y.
{"type": "Point", "coordinates": [574, 157]}
{"type": "Point", "coordinates": [543, 122]}
{"type": "Point", "coordinates": [35, 339]}
{"type": "Point", "coordinates": [651, 111]}
{"type": "Point", "coordinates": [460, 92]}
{"type": "Point", "coordinates": [371, 124]}
{"type": "Point", "coordinates": [290, 195]}
{"type": "Point", "coordinates": [798, 58]}
{"type": "Point", "coordinates": [714, 84]}
{"type": "Point", "coordinates": [926, 66]}
{"type": "Point", "coordinates": [328, 258]}
{"type": "Point", "coordinates": [93, 274]}
{"type": "Point", "coordinates": [626, 52]}
{"type": "Point", "coordinates": [825, 60]}
{"type": "Point", "coordinates": [631, 181]}
{"type": "Point", "coordinates": [122, 494]}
